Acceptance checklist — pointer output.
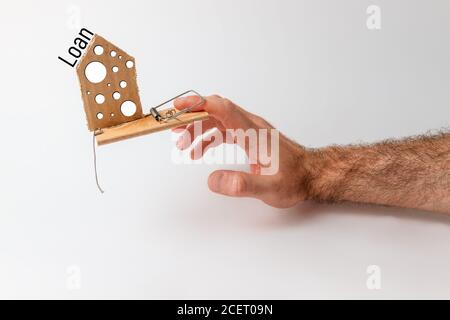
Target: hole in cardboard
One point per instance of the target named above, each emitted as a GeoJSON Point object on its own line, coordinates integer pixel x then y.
{"type": "Point", "coordinates": [130, 64]}
{"type": "Point", "coordinates": [120, 57]}
{"type": "Point", "coordinates": [99, 98]}
{"type": "Point", "coordinates": [99, 116]}
{"type": "Point", "coordinates": [109, 84]}
{"type": "Point", "coordinates": [112, 114]}
{"type": "Point", "coordinates": [128, 108]}
{"type": "Point", "coordinates": [113, 53]}
{"type": "Point", "coordinates": [116, 95]}
{"type": "Point", "coordinates": [95, 72]}
{"type": "Point", "coordinates": [98, 50]}
{"type": "Point", "coordinates": [123, 84]}
{"type": "Point", "coordinates": [115, 69]}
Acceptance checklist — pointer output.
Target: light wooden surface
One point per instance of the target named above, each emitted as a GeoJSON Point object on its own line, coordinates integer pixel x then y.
{"type": "Point", "coordinates": [145, 126]}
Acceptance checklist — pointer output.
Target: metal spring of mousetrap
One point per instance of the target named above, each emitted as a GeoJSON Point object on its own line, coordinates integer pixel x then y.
{"type": "Point", "coordinates": [171, 114]}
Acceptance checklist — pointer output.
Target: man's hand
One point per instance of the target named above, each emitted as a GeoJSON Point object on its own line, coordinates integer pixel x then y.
{"type": "Point", "coordinates": [282, 189]}
{"type": "Point", "coordinates": [413, 173]}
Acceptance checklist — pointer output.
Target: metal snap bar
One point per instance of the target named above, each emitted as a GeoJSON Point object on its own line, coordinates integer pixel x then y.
{"type": "Point", "coordinates": [171, 114]}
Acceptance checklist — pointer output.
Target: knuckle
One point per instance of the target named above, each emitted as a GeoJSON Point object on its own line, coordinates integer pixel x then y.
{"type": "Point", "coordinates": [238, 185]}
{"type": "Point", "coordinates": [227, 103]}
{"type": "Point", "coordinates": [226, 111]}
{"type": "Point", "coordinates": [261, 122]}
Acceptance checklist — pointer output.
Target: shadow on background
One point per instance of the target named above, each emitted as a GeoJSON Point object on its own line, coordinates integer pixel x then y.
{"type": "Point", "coordinates": [311, 211]}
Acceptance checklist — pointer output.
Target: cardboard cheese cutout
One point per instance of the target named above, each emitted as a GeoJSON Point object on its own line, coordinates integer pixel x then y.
{"type": "Point", "coordinates": [108, 84]}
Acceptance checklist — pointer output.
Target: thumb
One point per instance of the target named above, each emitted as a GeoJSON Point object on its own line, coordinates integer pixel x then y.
{"type": "Point", "coordinates": [238, 184]}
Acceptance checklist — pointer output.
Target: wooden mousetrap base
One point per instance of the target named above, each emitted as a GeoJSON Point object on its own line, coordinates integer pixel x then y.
{"type": "Point", "coordinates": [145, 126]}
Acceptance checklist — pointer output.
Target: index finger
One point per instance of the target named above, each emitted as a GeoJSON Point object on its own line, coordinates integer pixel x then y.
{"type": "Point", "coordinates": [212, 104]}
{"type": "Point", "coordinates": [228, 114]}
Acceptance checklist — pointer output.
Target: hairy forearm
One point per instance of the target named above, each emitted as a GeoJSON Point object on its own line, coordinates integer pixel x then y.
{"type": "Point", "coordinates": [412, 173]}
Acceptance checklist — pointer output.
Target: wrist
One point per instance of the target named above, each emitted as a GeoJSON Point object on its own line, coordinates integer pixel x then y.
{"type": "Point", "coordinates": [316, 174]}
{"type": "Point", "coordinates": [323, 171]}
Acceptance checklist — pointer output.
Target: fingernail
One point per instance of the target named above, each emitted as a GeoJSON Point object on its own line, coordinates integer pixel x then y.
{"type": "Point", "coordinates": [215, 182]}
{"type": "Point", "coordinates": [180, 100]}
{"type": "Point", "coordinates": [184, 141]}
{"type": "Point", "coordinates": [180, 143]}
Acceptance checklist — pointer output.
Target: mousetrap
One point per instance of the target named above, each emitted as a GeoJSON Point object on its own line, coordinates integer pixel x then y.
{"type": "Point", "coordinates": [108, 83]}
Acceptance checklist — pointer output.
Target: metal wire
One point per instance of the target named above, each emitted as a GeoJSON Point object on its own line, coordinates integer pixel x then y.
{"type": "Point", "coordinates": [179, 113]}
{"type": "Point", "coordinates": [95, 163]}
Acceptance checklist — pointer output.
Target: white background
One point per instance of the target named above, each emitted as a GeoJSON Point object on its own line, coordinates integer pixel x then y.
{"type": "Point", "coordinates": [312, 68]}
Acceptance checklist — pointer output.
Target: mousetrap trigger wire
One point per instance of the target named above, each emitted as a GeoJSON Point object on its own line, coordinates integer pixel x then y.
{"type": "Point", "coordinates": [174, 114]}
